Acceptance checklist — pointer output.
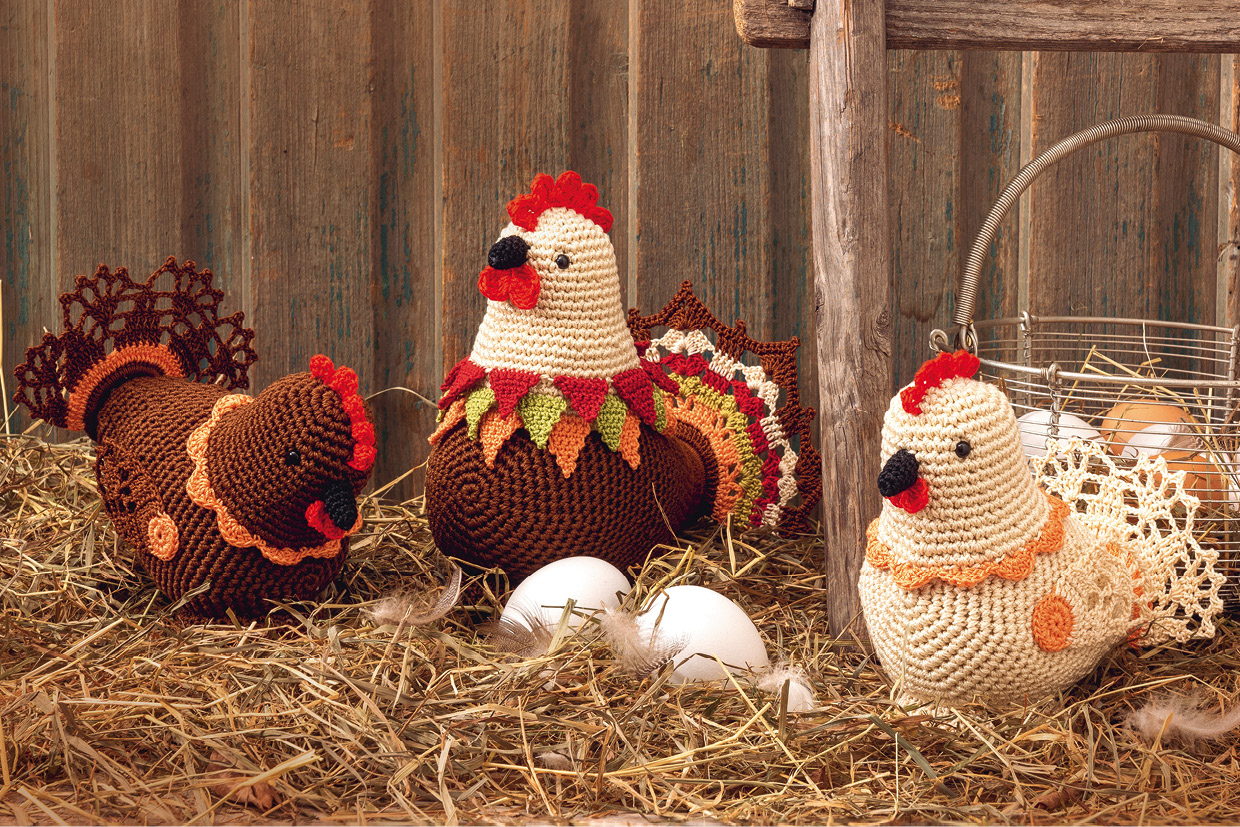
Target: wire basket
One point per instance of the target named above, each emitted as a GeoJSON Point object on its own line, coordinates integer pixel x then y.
{"type": "Point", "coordinates": [1141, 386]}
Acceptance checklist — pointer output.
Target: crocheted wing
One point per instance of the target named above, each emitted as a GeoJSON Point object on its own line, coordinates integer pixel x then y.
{"type": "Point", "coordinates": [1142, 519]}
{"type": "Point", "coordinates": [116, 328]}
{"type": "Point", "coordinates": [132, 500]}
{"type": "Point", "coordinates": [768, 470]}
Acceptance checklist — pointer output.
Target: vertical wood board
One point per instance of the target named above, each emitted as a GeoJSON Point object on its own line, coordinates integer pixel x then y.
{"type": "Point", "coordinates": [702, 164]}
{"type": "Point", "coordinates": [404, 265]}
{"type": "Point", "coordinates": [27, 294]}
{"type": "Point", "coordinates": [505, 118]}
{"type": "Point", "coordinates": [311, 207]}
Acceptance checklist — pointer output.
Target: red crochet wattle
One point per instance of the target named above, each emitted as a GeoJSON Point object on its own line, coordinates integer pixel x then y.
{"type": "Point", "coordinates": [914, 499]}
{"type": "Point", "coordinates": [519, 285]}
{"type": "Point", "coordinates": [565, 191]}
{"type": "Point", "coordinates": [960, 364]}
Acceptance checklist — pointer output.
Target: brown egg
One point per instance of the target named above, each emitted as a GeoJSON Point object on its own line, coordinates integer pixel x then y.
{"type": "Point", "coordinates": [1201, 478]}
{"type": "Point", "coordinates": [1127, 418]}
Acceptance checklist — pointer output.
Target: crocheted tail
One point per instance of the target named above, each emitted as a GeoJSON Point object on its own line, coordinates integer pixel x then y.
{"type": "Point", "coordinates": [762, 467]}
{"type": "Point", "coordinates": [1146, 515]}
{"type": "Point", "coordinates": [116, 329]}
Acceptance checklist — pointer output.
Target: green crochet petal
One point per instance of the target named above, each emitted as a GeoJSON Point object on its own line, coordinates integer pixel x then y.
{"type": "Point", "coordinates": [539, 413]}
{"type": "Point", "coordinates": [660, 412]}
{"type": "Point", "coordinates": [477, 404]}
{"type": "Point", "coordinates": [610, 420]}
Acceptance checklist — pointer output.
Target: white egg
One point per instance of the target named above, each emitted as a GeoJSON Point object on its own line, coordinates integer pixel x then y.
{"type": "Point", "coordinates": [592, 584]}
{"type": "Point", "coordinates": [692, 625]}
{"type": "Point", "coordinates": [1035, 429]}
{"type": "Point", "coordinates": [1165, 437]}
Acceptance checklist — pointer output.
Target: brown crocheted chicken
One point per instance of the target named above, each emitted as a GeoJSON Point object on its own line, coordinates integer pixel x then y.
{"type": "Point", "coordinates": [567, 432]}
{"type": "Point", "coordinates": [251, 498]}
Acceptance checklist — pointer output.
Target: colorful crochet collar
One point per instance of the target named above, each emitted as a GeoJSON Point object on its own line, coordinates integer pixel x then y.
{"type": "Point", "coordinates": [1016, 565]}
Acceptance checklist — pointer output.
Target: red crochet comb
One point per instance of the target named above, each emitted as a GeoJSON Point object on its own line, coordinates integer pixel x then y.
{"type": "Point", "coordinates": [961, 364]}
{"type": "Point", "coordinates": [344, 382]}
{"type": "Point", "coordinates": [565, 191]}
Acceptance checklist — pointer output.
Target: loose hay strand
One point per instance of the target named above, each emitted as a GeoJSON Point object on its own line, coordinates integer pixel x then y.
{"type": "Point", "coordinates": [348, 720]}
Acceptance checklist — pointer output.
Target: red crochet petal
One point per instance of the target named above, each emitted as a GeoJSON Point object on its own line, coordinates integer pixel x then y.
{"type": "Point", "coordinates": [464, 376]}
{"type": "Point", "coordinates": [660, 378]}
{"type": "Point", "coordinates": [510, 385]}
{"type": "Point", "coordinates": [635, 388]}
{"type": "Point", "coordinates": [585, 395]}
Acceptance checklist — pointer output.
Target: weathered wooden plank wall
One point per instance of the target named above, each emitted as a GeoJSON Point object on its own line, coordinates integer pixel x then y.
{"type": "Point", "coordinates": [343, 167]}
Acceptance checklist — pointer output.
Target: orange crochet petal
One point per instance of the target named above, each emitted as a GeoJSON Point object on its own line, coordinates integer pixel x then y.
{"type": "Point", "coordinates": [454, 415]}
{"type": "Point", "coordinates": [567, 439]}
{"type": "Point", "coordinates": [494, 431]}
{"type": "Point", "coordinates": [1014, 566]}
{"type": "Point", "coordinates": [630, 448]}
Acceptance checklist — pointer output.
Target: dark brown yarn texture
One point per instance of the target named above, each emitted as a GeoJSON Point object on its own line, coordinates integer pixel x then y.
{"type": "Point", "coordinates": [524, 513]}
{"type": "Point", "coordinates": [246, 458]}
{"type": "Point", "coordinates": [142, 421]}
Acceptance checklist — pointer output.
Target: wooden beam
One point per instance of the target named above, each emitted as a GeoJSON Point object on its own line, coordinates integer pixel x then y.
{"type": "Point", "coordinates": [1046, 25]}
{"type": "Point", "coordinates": [852, 278]}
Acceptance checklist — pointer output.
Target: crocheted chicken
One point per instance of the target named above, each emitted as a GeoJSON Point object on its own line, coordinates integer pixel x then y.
{"type": "Point", "coordinates": [568, 432]}
{"type": "Point", "coordinates": [978, 584]}
{"type": "Point", "coordinates": [252, 498]}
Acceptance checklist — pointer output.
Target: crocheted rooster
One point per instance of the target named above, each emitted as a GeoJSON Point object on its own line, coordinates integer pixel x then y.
{"type": "Point", "coordinates": [979, 584]}
{"type": "Point", "coordinates": [254, 495]}
{"type": "Point", "coordinates": [567, 432]}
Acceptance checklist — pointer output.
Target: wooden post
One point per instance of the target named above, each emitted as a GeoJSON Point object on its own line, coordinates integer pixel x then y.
{"type": "Point", "coordinates": [852, 277]}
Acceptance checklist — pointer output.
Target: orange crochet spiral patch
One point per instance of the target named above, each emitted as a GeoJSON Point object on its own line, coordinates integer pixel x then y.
{"type": "Point", "coordinates": [235, 534]}
{"type": "Point", "coordinates": [1014, 566]}
{"type": "Point", "coordinates": [1052, 622]}
{"type": "Point", "coordinates": [162, 536]}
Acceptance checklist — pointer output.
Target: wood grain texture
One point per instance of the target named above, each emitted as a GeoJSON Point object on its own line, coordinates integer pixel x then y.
{"type": "Point", "coordinates": [1055, 25]}
{"type": "Point", "coordinates": [1066, 25]}
{"type": "Point", "coordinates": [310, 100]}
{"type": "Point", "coordinates": [771, 24]}
{"type": "Point", "coordinates": [404, 263]}
{"type": "Point", "coordinates": [990, 131]}
{"type": "Point", "coordinates": [792, 261]}
{"type": "Point", "coordinates": [146, 147]}
{"type": "Point", "coordinates": [598, 106]}
{"type": "Point", "coordinates": [27, 294]}
{"type": "Point", "coordinates": [702, 164]}
{"type": "Point", "coordinates": [1229, 244]}
{"type": "Point", "coordinates": [849, 200]}
{"type": "Point", "coordinates": [924, 95]}
{"type": "Point", "coordinates": [1120, 228]}
{"type": "Point", "coordinates": [505, 119]}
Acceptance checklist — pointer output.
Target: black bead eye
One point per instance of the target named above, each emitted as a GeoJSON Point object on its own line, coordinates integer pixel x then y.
{"type": "Point", "coordinates": [963, 448]}
{"type": "Point", "coordinates": [562, 261]}
{"type": "Point", "coordinates": [292, 457]}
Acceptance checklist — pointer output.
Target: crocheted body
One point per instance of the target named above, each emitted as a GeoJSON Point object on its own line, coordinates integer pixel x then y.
{"type": "Point", "coordinates": [1001, 640]}
{"type": "Point", "coordinates": [255, 495]}
{"type": "Point", "coordinates": [522, 512]}
{"type": "Point", "coordinates": [146, 424]}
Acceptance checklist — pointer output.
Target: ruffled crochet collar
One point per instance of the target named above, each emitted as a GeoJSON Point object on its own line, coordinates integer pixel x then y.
{"type": "Point", "coordinates": [202, 494]}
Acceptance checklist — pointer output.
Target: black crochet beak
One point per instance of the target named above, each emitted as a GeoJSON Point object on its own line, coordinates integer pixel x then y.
{"type": "Point", "coordinates": [340, 506]}
{"type": "Point", "coordinates": [899, 474]}
{"type": "Point", "coordinates": [509, 252]}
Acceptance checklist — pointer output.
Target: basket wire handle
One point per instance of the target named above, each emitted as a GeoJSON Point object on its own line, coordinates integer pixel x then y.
{"type": "Point", "coordinates": [966, 290]}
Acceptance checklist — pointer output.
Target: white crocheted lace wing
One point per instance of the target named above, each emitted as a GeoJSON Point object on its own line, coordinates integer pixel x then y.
{"type": "Point", "coordinates": [1149, 513]}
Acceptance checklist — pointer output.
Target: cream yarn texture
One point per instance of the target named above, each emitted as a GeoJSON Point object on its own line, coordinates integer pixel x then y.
{"type": "Point", "coordinates": [578, 327]}
{"type": "Point", "coordinates": [1001, 592]}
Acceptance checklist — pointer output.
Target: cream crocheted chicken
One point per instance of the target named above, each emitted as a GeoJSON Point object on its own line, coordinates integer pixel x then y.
{"type": "Point", "coordinates": [979, 585]}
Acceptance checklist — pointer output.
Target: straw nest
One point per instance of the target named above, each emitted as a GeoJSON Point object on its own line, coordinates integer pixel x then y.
{"type": "Point", "coordinates": [114, 710]}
